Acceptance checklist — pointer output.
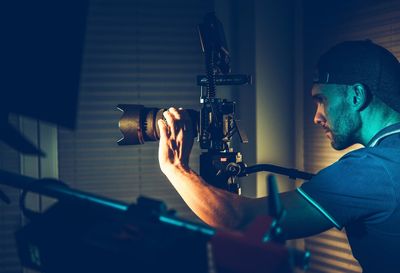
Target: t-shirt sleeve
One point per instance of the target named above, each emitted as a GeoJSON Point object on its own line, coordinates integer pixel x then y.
{"type": "Point", "coordinates": [355, 187]}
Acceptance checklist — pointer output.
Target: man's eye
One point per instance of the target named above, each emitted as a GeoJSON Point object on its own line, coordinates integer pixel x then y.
{"type": "Point", "coordinates": [319, 100]}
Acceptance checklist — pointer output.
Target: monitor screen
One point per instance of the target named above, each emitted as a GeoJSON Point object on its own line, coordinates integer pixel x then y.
{"type": "Point", "coordinates": [41, 57]}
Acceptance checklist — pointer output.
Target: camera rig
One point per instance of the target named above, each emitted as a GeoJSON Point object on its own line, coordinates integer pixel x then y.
{"type": "Point", "coordinates": [220, 165]}
{"type": "Point", "coordinates": [214, 125]}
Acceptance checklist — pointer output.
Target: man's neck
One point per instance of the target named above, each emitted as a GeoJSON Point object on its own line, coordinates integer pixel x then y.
{"type": "Point", "coordinates": [376, 123]}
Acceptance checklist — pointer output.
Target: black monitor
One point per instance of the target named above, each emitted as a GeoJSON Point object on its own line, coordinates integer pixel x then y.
{"type": "Point", "coordinates": [41, 52]}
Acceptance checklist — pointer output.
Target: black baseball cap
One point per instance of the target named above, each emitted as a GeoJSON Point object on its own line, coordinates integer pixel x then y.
{"type": "Point", "coordinates": [362, 62]}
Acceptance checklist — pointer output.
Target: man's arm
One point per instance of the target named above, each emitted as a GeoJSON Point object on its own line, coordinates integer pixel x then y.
{"type": "Point", "coordinates": [220, 208]}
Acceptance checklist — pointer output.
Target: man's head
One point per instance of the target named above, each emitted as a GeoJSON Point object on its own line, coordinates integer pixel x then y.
{"type": "Point", "coordinates": [338, 112]}
{"type": "Point", "coordinates": [354, 81]}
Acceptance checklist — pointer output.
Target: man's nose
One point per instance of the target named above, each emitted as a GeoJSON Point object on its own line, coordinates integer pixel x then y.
{"type": "Point", "coordinates": [319, 118]}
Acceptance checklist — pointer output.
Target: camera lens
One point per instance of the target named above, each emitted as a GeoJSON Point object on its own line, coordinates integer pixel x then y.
{"type": "Point", "coordinates": [139, 124]}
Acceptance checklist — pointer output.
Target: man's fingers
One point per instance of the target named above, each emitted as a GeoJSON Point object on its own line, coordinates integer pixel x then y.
{"type": "Point", "coordinates": [177, 120]}
{"type": "Point", "coordinates": [170, 123]}
{"type": "Point", "coordinates": [163, 129]}
{"type": "Point", "coordinates": [175, 113]}
{"type": "Point", "coordinates": [185, 121]}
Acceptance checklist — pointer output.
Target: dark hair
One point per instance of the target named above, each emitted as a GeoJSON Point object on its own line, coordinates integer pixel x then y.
{"type": "Point", "coordinates": [362, 62]}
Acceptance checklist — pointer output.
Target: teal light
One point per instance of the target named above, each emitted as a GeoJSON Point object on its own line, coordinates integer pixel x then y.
{"type": "Point", "coordinates": [35, 255]}
{"type": "Point", "coordinates": [187, 225]}
{"type": "Point", "coordinates": [315, 204]}
{"type": "Point", "coordinates": [98, 200]}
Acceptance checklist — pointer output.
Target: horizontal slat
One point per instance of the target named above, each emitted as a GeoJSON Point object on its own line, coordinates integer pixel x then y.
{"type": "Point", "coordinates": [138, 54]}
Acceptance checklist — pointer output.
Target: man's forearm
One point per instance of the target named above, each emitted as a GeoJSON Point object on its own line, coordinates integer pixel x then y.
{"type": "Point", "coordinates": [214, 206]}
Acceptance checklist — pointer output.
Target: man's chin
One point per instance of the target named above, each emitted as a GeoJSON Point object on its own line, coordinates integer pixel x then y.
{"type": "Point", "coordinates": [339, 146]}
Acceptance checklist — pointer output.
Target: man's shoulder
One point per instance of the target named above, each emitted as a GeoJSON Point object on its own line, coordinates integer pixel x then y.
{"type": "Point", "coordinates": [372, 155]}
{"type": "Point", "coordinates": [364, 168]}
{"type": "Point", "coordinates": [361, 163]}
{"type": "Point", "coordinates": [359, 156]}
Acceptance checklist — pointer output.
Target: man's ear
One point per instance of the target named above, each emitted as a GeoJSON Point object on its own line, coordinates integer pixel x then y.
{"type": "Point", "coordinates": [359, 96]}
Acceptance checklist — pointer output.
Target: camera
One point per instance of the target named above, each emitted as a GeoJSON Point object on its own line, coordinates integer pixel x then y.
{"type": "Point", "coordinates": [214, 125]}
{"type": "Point", "coordinates": [138, 123]}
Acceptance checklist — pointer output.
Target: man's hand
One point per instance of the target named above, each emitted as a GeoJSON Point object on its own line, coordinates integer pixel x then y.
{"type": "Point", "coordinates": [176, 139]}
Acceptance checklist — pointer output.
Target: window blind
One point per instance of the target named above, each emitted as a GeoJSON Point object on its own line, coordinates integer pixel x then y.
{"type": "Point", "coordinates": [324, 26]}
{"type": "Point", "coordinates": [136, 52]}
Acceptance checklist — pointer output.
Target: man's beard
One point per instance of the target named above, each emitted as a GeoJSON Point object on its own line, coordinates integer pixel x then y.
{"type": "Point", "coordinates": [340, 141]}
{"type": "Point", "coordinates": [343, 135]}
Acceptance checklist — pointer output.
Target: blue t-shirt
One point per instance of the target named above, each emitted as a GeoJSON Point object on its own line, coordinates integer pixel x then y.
{"type": "Point", "coordinates": [361, 192]}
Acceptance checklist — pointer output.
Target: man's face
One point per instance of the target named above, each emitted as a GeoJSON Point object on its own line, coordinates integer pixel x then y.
{"type": "Point", "coordinates": [334, 114]}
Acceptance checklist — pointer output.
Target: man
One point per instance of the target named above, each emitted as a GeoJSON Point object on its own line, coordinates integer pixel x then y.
{"type": "Point", "coordinates": [357, 93]}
